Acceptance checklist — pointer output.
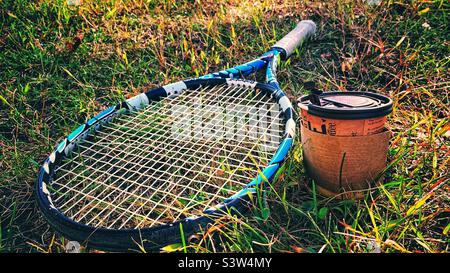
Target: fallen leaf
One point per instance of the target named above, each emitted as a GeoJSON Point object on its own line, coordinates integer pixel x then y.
{"type": "Point", "coordinates": [424, 11]}
{"type": "Point", "coordinates": [297, 249]}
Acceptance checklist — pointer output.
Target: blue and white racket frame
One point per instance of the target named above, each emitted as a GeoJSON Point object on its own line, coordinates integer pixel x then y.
{"type": "Point", "coordinates": [159, 236]}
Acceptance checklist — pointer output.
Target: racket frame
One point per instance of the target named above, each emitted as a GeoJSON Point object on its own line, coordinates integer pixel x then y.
{"type": "Point", "coordinates": [158, 236]}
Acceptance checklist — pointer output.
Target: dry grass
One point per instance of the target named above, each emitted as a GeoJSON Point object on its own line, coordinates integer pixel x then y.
{"type": "Point", "coordinates": [62, 64]}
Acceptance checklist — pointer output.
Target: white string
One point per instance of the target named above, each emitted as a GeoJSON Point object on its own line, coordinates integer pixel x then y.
{"type": "Point", "coordinates": [164, 197]}
{"type": "Point", "coordinates": [136, 164]}
{"type": "Point", "coordinates": [206, 183]}
{"type": "Point", "coordinates": [116, 155]}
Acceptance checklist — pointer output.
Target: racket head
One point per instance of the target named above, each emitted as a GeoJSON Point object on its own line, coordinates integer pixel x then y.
{"type": "Point", "coordinates": [155, 236]}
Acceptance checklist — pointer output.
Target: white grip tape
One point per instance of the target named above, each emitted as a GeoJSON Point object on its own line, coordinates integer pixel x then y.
{"type": "Point", "coordinates": [285, 103]}
{"type": "Point", "coordinates": [174, 89]}
{"type": "Point", "coordinates": [295, 38]}
{"type": "Point", "coordinates": [139, 101]}
{"type": "Point", "coordinates": [290, 127]}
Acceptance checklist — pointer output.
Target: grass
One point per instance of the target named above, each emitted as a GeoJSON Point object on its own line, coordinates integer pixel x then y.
{"type": "Point", "coordinates": [62, 64]}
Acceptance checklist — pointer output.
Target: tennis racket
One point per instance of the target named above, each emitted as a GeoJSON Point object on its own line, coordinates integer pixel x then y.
{"type": "Point", "coordinates": [172, 159]}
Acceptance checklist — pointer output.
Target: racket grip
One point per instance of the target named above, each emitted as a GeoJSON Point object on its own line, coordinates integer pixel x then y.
{"type": "Point", "coordinates": [295, 38]}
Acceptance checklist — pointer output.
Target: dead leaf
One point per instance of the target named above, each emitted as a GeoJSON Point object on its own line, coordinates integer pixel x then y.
{"type": "Point", "coordinates": [297, 249]}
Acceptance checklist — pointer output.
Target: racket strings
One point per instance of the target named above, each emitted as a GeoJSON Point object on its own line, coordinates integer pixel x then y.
{"type": "Point", "coordinates": [137, 173]}
{"type": "Point", "coordinates": [198, 192]}
{"type": "Point", "coordinates": [113, 158]}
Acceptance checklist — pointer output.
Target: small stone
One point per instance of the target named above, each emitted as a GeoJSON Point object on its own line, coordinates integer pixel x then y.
{"type": "Point", "coordinates": [73, 247]}
{"type": "Point", "coordinates": [373, 247]}
{"type": "Point", "coordinates": [426, 25]}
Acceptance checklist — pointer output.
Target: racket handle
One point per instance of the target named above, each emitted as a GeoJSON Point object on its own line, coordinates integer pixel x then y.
{"type": "Point", "coordinates": [295, 38]}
